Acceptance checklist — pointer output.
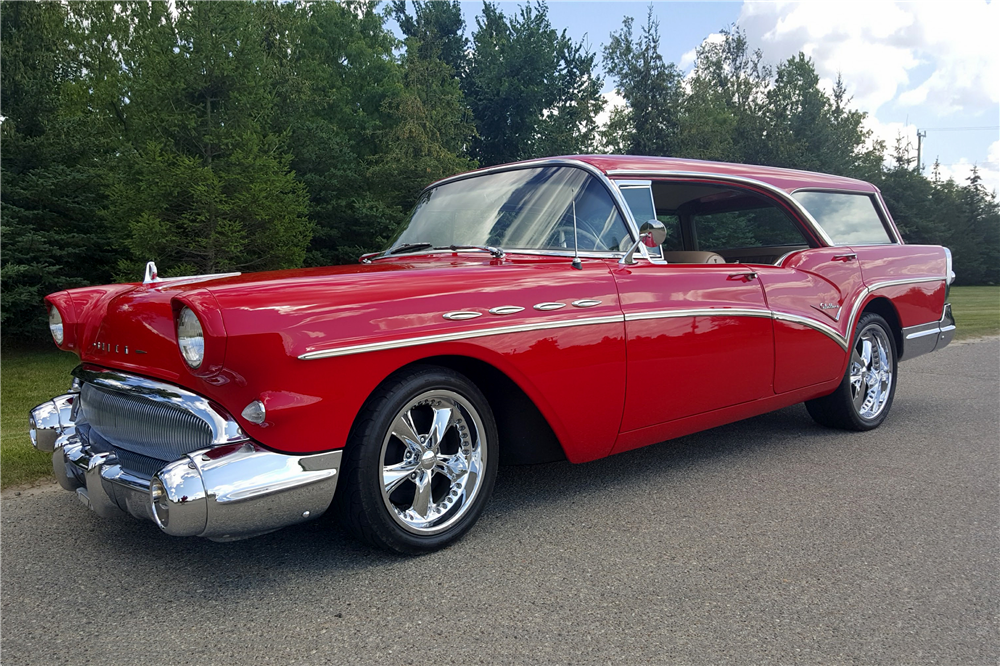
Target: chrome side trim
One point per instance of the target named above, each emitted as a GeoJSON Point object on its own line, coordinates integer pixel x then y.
{"type": "Point", "coordinates": [611, 319]}
{"type": "Point", "coordinates": [828, 331]}
{"type": "Point", "coordinates": [853, 319]}
{"type": "Point", "coordinates": [548, 307]}
{"type": "Point", "coordinates": [506, 310]}
{"type": "Point", "coordinates": [461, 315]}
{"type": "Point", "coordinates": [585, 303]}
{"type": "Point", "coordinates": [698, 312]}
{"type": "Point", "coordinates": [739, 180]}
{"type": "Point", "coordinates": [921, 330]}
{"type": "Point", "coordinates": [458, 336]}
{"type": "Point", "coordinates": [224, 429]}
{"type": "Point", "coordinates": [780, 260]}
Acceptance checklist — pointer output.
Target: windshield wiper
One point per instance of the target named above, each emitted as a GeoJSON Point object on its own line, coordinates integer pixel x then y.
{"type": "Point", "coordinates": [494, 251]}
{"type": "Point", "coordinates": [409, 247]}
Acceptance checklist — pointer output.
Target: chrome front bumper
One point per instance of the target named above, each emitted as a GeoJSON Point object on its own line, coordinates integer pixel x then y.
{"type": "Point", "coordinates": [223, 493]}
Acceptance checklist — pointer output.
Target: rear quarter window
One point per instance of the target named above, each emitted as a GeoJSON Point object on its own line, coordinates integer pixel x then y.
{"type": "Point", "coordinates": [848, 219]}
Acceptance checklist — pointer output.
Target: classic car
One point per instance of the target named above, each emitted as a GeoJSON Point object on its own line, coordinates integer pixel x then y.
{"type": "Point", "coordinates": [566, 308]}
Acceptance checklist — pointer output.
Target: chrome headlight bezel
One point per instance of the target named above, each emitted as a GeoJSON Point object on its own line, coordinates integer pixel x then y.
{"type": "Point", "coordinates": [56, 327]}
{"type": "Point", "coordinates": [190, 337]}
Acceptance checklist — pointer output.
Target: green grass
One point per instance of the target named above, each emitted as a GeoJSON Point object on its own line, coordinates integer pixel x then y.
{"type": "Point", "coordinates": [27, 378]}
{"type": "Point", "coordinates": [976, 310]}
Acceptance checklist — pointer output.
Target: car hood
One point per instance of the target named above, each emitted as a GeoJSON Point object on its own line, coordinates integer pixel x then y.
{"type": "Point", "coordinates": [132, 326]}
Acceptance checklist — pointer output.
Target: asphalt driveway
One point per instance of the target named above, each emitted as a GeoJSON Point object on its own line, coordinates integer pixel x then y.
{"type": "Point", "coordinates": [767, 541]}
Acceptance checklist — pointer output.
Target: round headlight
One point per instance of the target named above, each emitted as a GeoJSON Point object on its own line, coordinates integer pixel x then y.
{"type": "Point", "coordinates": [190, 337]}
{"type": "Point", "coordinates": [56, 324]}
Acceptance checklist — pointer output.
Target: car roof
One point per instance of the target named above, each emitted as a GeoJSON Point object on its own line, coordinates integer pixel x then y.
{"type": "Point", "coordinates": [788, 180]}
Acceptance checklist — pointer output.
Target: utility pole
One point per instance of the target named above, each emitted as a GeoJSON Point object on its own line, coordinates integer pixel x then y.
{"type": "Point", "coordinates": [920, 136]}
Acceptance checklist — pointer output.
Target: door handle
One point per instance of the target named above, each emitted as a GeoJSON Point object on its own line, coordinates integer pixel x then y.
{"type": "Point", "coordinates": [746, 276]}
{"type": "Point", "coordinates": [844, 257]}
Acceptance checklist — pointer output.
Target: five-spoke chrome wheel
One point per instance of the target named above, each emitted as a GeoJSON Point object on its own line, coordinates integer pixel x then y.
{"type": "Point", "coordinates": [871, 372]}
{"type": "Point", "coordinates": [864, 396]}
{"type": "Point", "coordinates": [421, 461]}
{"type": "Point", "coordinates": [432, 461]}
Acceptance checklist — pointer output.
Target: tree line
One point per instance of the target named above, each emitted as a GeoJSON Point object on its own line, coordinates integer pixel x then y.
{"type": "Point", "coordinates": [263, 135]}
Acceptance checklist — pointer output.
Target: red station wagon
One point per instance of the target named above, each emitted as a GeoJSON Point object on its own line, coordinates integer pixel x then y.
{"type": "Point", "coordinates": [565, 308]}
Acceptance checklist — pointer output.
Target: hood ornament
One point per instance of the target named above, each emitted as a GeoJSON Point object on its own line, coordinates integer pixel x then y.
{"type": "Point", "coordinates": [150, 276]}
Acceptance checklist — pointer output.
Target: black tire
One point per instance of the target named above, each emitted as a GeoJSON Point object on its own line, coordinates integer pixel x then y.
{"type": "Point", "coordinates": [841, 408]}
{"type": "Point", "coordinates": [450, 500]}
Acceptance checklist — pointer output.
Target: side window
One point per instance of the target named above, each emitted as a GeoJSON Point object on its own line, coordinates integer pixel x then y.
{"type": "Point", "coordinates": [748, 228]}
{"type": "Point", "coordinates": [674, 239]}
{"type": "Point", "coordinates": [848, 219]}
{"type": "Point", "coordinates": [739, 224]}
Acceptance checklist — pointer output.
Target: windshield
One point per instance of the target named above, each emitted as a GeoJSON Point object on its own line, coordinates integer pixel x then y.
{"type": "Point", "coordinates": [518, 209]}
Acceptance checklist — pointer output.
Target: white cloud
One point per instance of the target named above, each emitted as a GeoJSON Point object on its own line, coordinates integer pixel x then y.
{"type": "Point", "coordinates": [688, 58]}
{"type": "Point", "coordinates": [989, 170]}
{"type": "Point", "coordinates": [890, 132]}
{"type": "Point", "coordinates": [612, 101]}
{"type": "Point", "coordinates": [880, 47]}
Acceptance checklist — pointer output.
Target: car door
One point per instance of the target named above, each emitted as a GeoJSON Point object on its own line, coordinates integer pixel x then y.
{"type": "Point", "coordinates": [810, 295]}
{"type": "Point", "coordinates": [698, 338]}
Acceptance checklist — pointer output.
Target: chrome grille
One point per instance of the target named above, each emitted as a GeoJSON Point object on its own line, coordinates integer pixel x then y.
{"type": "Point", "coordinates": [150, 428]}
{"type": "Point", "coordinates": [137, 463]}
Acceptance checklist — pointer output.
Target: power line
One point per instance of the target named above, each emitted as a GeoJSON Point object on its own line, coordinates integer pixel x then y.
{"type": "Point", "coordinates": [961, 129]}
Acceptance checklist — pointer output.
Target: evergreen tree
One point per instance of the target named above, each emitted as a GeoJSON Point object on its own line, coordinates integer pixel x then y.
{"type": "Point", "coordinates": [438, 28]}
{"type": "Point", "coordinates": [733, 79]}
{"type": "Point", "coordinates": [204, 182]}
{"type": "Point", "coordinates": [430, 126]}
{"type": "Point", "coordinates": [649, 123]}
{"type": "Point", "coordinates": [52, 167]}
{"type": "Point", "coordinates": [532, 91]}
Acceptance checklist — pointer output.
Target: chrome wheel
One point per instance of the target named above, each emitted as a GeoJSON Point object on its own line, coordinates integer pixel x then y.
{"type": "Point", "coordinates": [871, 372]}
{"type": "Point", "coordinates": [432, 461]}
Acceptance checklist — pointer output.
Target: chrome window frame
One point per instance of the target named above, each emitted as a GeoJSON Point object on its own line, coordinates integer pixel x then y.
{"type": "Point", "coordinates": [877, 203]}
{"type": "Point", "coordinates": [777, 192]}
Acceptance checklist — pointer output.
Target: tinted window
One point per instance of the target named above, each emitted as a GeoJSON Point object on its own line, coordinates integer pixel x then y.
{"type": "Point", "coordinates": [522, 208]}
{"type": "Point", "coordinates": [848, 219]}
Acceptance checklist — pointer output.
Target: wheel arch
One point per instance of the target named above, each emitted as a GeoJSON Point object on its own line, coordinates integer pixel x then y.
{"type": "Point", "coordinates": [883, 307]}
{"type": "Point", "coordinates": [526, 437]}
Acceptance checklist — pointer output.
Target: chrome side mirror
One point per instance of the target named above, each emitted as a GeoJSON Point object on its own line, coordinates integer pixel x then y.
{"type": "Point", "coordinates": [651, 233]}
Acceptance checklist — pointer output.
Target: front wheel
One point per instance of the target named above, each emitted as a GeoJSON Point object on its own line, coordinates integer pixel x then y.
{"type": "Point", "coordinates": [864, 397]}
{"type": "Point", "coordinates": [421, 462]}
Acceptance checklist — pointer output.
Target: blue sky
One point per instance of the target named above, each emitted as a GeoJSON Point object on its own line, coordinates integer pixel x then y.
{"type": "Point", "coordinates": [916, 65]}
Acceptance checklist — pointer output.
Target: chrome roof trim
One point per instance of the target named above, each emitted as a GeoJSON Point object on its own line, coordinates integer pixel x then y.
{"type": "Point", "coordinates": [458, 336]}
{"type": "Point", "coordinates": [739, 180]}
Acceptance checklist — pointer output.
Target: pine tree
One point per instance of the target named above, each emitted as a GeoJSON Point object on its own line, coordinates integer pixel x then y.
{"type": "Point", "coordinates": [649, 123]}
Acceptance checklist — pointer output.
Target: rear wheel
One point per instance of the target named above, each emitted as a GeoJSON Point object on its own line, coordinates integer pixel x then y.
{"type": "Point", "coordinates": [864, 397]}
{"type": "Point", "coordinates": [421, 462]}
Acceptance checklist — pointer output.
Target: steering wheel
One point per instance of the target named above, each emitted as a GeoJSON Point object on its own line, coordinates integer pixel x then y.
{"type": "Point", "coordinates": [562, 237]}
